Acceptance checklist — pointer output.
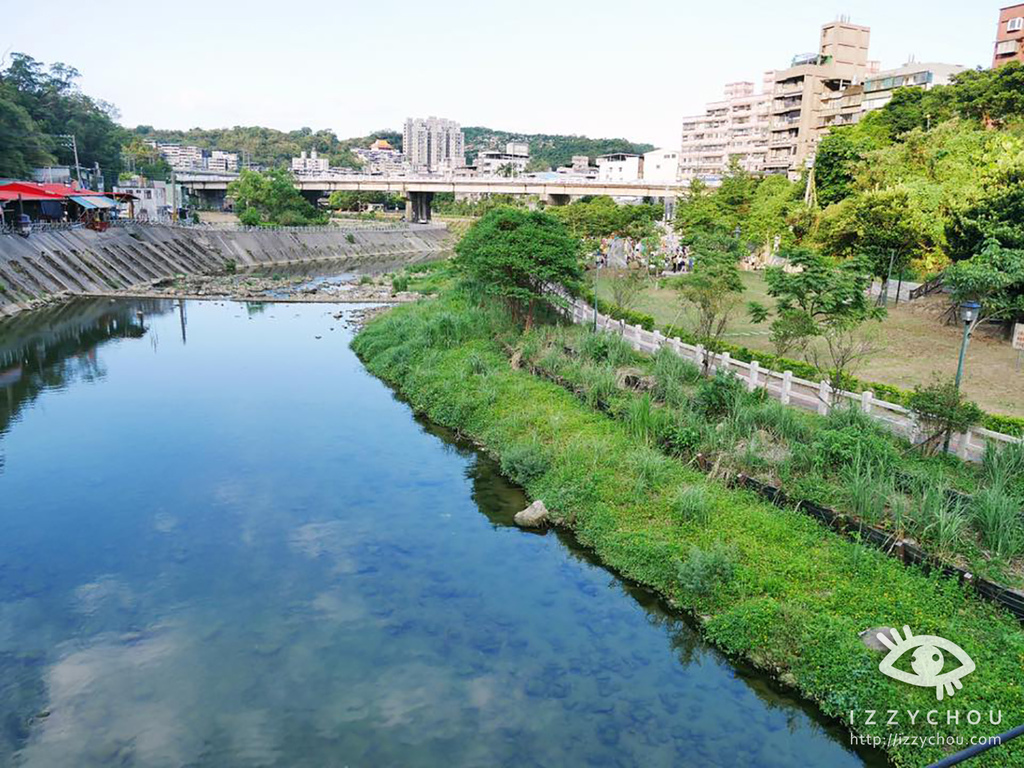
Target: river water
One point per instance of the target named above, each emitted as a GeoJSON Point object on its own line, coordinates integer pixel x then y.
{"type": "Point", "coordinates": [225, 544]}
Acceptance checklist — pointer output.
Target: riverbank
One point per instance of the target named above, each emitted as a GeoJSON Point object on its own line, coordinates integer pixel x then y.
{"type": "Point", "coordinates": [767, 584]}
{"type": "Point", "coordinates": [52, 266]}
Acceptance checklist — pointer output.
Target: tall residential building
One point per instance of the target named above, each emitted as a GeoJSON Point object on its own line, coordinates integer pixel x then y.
{"type": "Point", "coordinates": [736, 126]}
{"type": "Point", "coordinates": [222, 161]}
{"type": "Point", "coordinates": [433, 144]}
{"type": "Point", "coordinates": [812, 82]}
{"type": "Point", "coordinates": [1009, 36]}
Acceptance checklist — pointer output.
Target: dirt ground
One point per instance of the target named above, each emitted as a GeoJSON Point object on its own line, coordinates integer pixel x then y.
{"type": "Point", "coordinates": [915, 343]}
{"type": "Point", "coordinates": [218, 217]}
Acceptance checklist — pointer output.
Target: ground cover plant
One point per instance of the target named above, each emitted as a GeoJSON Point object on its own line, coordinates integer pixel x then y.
{"type": "Point", "coordinates": [766, 583]}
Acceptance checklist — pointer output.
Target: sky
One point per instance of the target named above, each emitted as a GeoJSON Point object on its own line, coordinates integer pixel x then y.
{"type": "Point", "coordinates": [597, 68]}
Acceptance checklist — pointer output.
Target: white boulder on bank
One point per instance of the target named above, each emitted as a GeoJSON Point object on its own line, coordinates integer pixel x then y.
{"type": "Point", "coordinates": [534, 516]}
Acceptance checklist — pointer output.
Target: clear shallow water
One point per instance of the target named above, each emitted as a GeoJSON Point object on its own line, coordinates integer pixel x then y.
{"type": "Point", "coordinates": [241, 549]}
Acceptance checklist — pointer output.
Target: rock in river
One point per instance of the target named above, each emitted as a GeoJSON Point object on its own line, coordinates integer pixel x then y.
{"type": "Point", "coordinates": [534, 516]}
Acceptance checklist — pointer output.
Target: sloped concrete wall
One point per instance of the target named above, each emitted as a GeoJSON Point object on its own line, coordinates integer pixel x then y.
{"type": "Point", "coordinates": [81, 261]}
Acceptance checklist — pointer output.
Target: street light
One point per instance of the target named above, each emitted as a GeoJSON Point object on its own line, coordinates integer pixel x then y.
{"type": "Point", "coordinates": [969, 311]}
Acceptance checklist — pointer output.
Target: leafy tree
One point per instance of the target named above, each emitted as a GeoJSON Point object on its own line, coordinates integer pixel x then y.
{"type": "Point", "coordinates": [700, 212]}
{"type": "Point", "coordinates": [942, 410]}
{"type": "Point", "coordinates": [881, 225]}
{"type": "Point", "coordinates": [519, 256]}
{"type": "Point", "coordinates": [836, 161]}
{"type": "Point", "coordinates": [628, 284]}
{"type": "Point", "coordinates": [818, 299]}
{"type": "Point", "coordinates": [345, 200]}
{"type": "Point", "coordinates": [994, 277]}
{"type": "Point", "coordinates": [993, 95]}
{"type": "Point", "coordinates": [600, 216]}
{"type": "Point", "coordinates": [714, 287]}
{"type": "Point", "coordinates": [55, 106]}
{"type": "Point", "coordinates": [271, 198]}
{"type": "Point", "coordinates": [995, 213]}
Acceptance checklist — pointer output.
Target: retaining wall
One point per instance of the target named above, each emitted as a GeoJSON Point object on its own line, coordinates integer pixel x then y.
{"type": "Point", "coordinates": [81, 261]}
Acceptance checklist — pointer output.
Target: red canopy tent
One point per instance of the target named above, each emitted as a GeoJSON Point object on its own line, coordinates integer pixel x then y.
{"type": "Point", "coordinates": [25, 191]}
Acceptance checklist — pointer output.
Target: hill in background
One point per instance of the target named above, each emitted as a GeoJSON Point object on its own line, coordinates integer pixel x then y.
{"type": "Point", "coordinates": [270, 147]}
{"type": "Point", "coordinates": [548, 150]}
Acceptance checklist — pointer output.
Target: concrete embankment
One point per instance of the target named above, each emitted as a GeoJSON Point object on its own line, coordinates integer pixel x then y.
{"type": "Point", "coordinates": [82, 262]}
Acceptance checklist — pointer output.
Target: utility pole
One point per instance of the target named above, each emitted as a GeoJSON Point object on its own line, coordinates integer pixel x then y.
{"type": "Point", "coordinates": [74, 148]}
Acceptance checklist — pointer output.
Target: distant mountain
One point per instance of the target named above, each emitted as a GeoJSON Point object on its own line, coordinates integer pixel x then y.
{"type": "Point", "coordinates": [548, 150]}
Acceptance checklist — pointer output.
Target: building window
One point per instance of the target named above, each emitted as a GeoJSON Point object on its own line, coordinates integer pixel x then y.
{"type": "Point", "coordinates": [1015, 25]}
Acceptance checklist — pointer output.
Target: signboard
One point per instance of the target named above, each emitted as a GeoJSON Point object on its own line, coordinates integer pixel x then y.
{"type": "Point", "coordinates": [1018, 336]}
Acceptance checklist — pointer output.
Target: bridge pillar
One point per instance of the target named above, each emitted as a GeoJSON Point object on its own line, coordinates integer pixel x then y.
{"type": "Point", "coordinates": [558, 199]}
{"type": "Point", "coordinates": [419, 203]}
{"type": "Point", "coordinates": [670, 208]}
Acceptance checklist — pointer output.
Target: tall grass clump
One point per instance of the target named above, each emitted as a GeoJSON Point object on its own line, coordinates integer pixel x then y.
{"type": "Point", "coordinates": [997, 518]}
{"type": "Point", "coordinates": [693, 504]}
{"type": "Point", "coordinates": [939, 518]}
{"type": "Point", "coordinates": [599, 384]}
{"type": "Point", "coordinates": [1004, 467]}
{"type": "Point", "coordinates": [605, 347]}
{"type": "Point", "coordinates": [867, 490]}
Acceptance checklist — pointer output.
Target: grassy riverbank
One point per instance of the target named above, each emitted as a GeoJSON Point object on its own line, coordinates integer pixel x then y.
{"type": "Point", "coordinates": [769, 584]}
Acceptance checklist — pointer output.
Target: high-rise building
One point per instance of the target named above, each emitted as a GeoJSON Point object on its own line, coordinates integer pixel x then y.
{"type": "Point", "coordinates": [433, 145]}
{"type": "Point", "coordinates": [733, 127]}
{"type": "Point", "coordinates": [812, 82]}
{"type": "Point", "coordinates": [513, 161]}
{"type": "Point", "coordinates": [1009, 36]}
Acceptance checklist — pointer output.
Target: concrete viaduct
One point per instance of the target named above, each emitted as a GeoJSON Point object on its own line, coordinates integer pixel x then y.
{"type": "Point", "coordinates": [419, 191]}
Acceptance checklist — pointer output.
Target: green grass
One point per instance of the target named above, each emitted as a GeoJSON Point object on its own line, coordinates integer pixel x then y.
{"type": "Point", "coordinates": [768, 584]}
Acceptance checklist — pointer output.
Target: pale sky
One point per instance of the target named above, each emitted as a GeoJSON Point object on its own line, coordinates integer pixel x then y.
{"type": "Point", "coordinates": [598, 68]}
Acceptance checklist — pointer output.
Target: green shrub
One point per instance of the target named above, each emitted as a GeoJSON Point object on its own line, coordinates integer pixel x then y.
{"type": "Point", "coordinates": [525, 462]}
{"type": "Point", "coordinates": [350, 238]}
{"type": "Point", "coordinates": [230, 266]}
{"type": "Point", "coordinates": [607, 348]}
{"type": "Point", "coordinates": [399, 283]}
{"type": "Point", "coordinates": [683, 434]}
{"type": "Point", "coordinates": [716, 396]}
{"type": "Point", "coordinates": [366, 280]}
{"type": "Point", "coordinates": [705, 571]}
{"type": "Point", "coordinates": [599, 384]}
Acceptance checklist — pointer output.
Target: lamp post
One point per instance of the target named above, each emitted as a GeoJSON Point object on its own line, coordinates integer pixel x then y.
{"type": "Point", "coordinates": [969, 311]}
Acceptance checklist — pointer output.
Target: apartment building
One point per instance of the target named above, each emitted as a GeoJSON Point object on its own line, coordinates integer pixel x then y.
{"type": "Point", "coordinates": [222, 161]}
{"type": "Point", "coordinates": [433, 145]}
{"type": "Point", "coordinates": [1009, 44]}
{"type": "Point", "coordinates": [381, 159]}
{"type": "Point", "coordinates": [513, 160]}
{"type": "Point", "coordinates": [620, 166]}
{"type": "Point", "coordinates": [812, 84]}
{"type": "Point", "coordinates": [661, 165]}
{"type": "Point", "coordinates": [311, 163]}
{"type": "Point", "coordinates": [735, 126]}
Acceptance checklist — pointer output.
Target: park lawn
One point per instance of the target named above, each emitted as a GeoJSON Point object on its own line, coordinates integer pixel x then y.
{"type": "Point", "coordinates": [916, 345]}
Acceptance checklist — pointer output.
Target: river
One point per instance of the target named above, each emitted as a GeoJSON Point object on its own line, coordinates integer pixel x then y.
{"type": "Point", "coordinates": [225, 544]}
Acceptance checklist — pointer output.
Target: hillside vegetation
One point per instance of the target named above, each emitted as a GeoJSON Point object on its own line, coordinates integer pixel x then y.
{"type": "Point", "coordinates": [548, 150]}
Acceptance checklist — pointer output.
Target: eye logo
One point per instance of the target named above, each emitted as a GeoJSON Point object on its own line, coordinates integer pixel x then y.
{"type": "Point", "coordinates": [927, 662]}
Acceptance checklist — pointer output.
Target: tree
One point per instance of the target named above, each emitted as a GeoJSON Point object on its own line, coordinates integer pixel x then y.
{"type": "Point", "coordinates": [995, 278]}
{"type": "Point", "coordinates": [942, 410]}
{"type": "Point", "coordinates": [627, 284]}
{"type": "Point", "coordinates": [882, 226]}
{"type": "Point", "coordinates": [714, 287]}
{"type": "Point", "coordinates": [817, 299]}
{"type": "Point", "coordinates": [520, 256]}
{"type": "Point", "coordinates": [996, 213]}
{"type": "Point", "coordinates": [271, 198]}
{"type": "Point", "coordinates": [699, 212]}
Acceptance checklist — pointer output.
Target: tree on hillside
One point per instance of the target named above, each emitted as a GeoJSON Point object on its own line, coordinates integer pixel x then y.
{"type": "Point", "coordinates": [23, 146]}
{"type": "Point", "coordinates": [994, 95]}
{"type": "Point", "coordinates": [54, 104]}
{"type": "Point", "coordinates": [996, 213]}
{"type": "Point", "coordinates": [819, 300]}
{"type": "Point", "coordinates": [714, 287]}
{"type": "Point", "coordinates": [836, 160]}
{"type": "Point", "coordinates": [520, 256]}
{"type": "Point", "coordinates": [882, 226]}
{"type": "Point", "coordinates": [271, 198]}
{"type": "Point", "coordinates": [699, 212]}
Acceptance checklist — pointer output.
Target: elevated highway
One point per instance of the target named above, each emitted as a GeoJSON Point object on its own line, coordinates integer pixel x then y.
{"type": "Point", "coordinates": [419, 190]}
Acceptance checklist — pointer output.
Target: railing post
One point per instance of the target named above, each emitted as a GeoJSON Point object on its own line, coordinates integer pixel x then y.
{"type": "Point", "coordinates": [725, 362]}
{"type": "Point", "coordinates": [787, 385]}
{"type": "Point", "coordinates": [752, 381]}
{"type": "Point", "coordinates": [823, 397]}
{"type": "Point", "coordinates": [698, 356]}
{"type": "Point", "coordinates": [865, 400]}
{"type": "Point", "coordinates": [964, 449]}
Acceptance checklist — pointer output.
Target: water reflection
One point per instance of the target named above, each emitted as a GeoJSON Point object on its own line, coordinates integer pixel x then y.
{"type": "Point", "coordinates": [244, 551]}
